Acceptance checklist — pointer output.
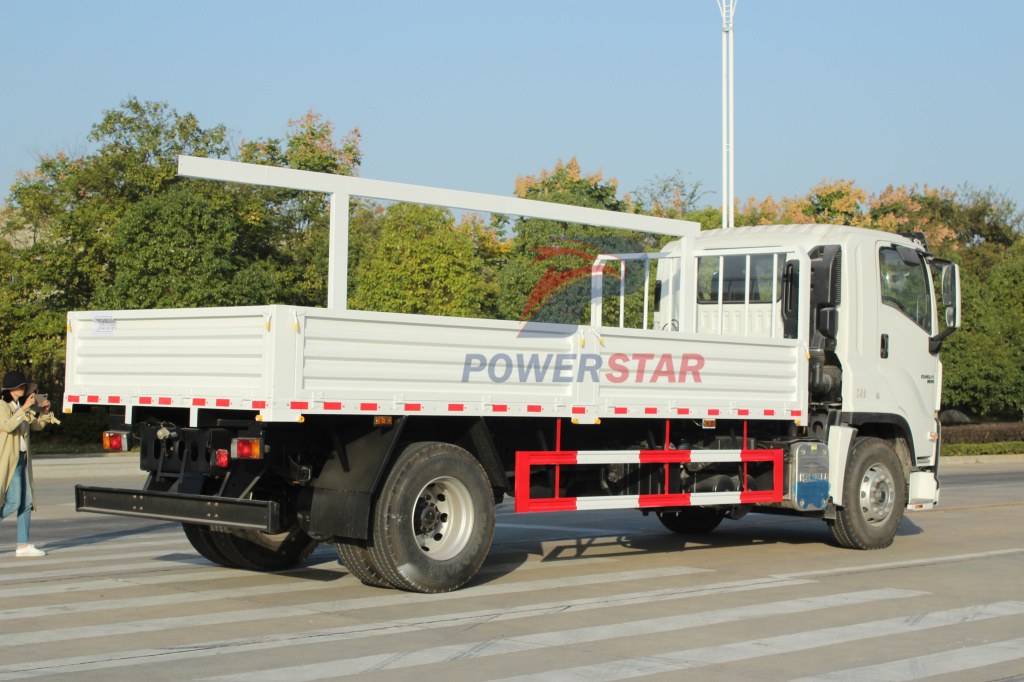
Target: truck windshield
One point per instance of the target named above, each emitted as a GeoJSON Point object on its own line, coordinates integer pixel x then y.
{"type": "Point", "coordinates": [905, 285]}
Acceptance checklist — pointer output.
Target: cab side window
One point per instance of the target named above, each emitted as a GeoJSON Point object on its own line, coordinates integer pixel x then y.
{"type": "Point", "coordinates": [904, 284]}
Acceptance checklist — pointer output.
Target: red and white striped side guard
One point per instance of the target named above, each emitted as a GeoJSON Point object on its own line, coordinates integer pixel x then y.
{"type": "Point", "coordinates": [525, 460]}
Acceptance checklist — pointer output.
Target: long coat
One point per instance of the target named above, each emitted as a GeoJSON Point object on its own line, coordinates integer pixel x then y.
{"type": "Point", "coordinates": [10, 420]}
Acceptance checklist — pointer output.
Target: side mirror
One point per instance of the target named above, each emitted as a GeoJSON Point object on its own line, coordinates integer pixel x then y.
{"type": "Point", "coordinates": [951, 293]}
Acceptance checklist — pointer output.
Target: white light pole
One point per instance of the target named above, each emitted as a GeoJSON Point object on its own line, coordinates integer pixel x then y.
{"type": "Point", "coordinates": [728, 9]}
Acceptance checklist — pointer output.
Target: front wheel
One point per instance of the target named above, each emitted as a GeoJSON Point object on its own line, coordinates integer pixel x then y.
{"type": "Point", "coordinates": [874, 497]}
{"type": "Point", "coordinates": [434, 520]}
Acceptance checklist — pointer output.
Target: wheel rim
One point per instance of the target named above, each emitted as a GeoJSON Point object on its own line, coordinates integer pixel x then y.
{"type": "Point", "coordinates": [442, 520]}
{"type": "Point", "coordinates": [877, 494]}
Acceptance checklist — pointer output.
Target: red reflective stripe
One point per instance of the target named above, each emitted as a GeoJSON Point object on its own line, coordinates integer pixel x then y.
{"type": "Point", "coordinates": [547, 457]}
{"type": "Point", "coordinates": [296, 405]}
{"type": "Point", "coordinates": [115, 399]}
{"type": "Point", "coordinates": [412, 407]}
{"type": "Point", "coordinates": [677, 500]}
{"type": "Point", "coordinates": [650, 410]}
{"type": "Point", "coordinates": [713, 413]}
{"type": "Point", "coordinates": [621, 410]}
{"type": "Point", "coordinates": [769, 413]}
{"type": "Point", "coordinates": [72, 398]}
{"type": "Point", "coordinates": [145, 400]}
{"type": "Point", "coordinates": [683, 410]}
{"type": "Point", "coordinates": [93, 399]}
{"type": "Point", "coordinates": [533, 408]}
{"type": "Point", "coordinates": [259, 404]}
{"type": "Point", "coordinates": [579, 410]}
{"type": "Point", "coordinates": [548, 504]}
{"type": "Point", "coordinates": [368, 407]}
{"type": "Point", "coordinates": [223, 402]}
{"type": "Point", "coordinates": [199, 402]}
{"type": "Point", "coordinates": [456, 407]}
{"type": "Point", "coordinates": [164, 401]}
{"type": "Point", "coordinates": [662, 456]}
{"type": "Point", "coordinates": [499, 408]}
{"type": "Point", "coordinates": [795, 413]}
{"type": "Point", "coordinates": [743, 413]}
{"type": "Point", "coordinates": [332, 406]}
{"type": "Point", "coordinates": [752, 496]}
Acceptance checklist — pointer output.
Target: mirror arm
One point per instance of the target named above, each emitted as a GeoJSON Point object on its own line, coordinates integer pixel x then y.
{"type": "Point", "coordinates": [935, 342]}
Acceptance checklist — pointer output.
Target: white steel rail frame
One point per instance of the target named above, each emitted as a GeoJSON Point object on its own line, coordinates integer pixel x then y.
{"type": "Point", "coordinates": [342, 188]}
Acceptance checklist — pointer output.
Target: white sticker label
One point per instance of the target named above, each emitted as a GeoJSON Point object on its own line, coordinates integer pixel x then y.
{"type": "Point", "coordinates": [106, 325]}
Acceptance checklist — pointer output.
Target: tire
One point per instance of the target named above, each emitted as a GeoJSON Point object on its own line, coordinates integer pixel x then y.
{"type": "Point", "coordinates": [692, 520]}
{"type": "Point", "coordinates": [254, 550]}
{"type": "Point", "coordinates": [874, 497]}
{"type": "Point", "coordinates": [202, 540]}
{"type": "Point", "coordinates": [434, 520]}
{"type": "Point", "coordinates": [354, 556]}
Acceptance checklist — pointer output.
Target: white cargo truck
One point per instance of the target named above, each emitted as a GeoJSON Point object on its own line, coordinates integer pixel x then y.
{"type": "Point", "coordinates": [785, 369]}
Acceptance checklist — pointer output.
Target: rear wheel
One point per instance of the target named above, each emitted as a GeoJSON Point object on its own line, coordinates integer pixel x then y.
{"type": "Point", "coordinates": [203, 542]}
{"type": "Point", "coordinates": [254, 550]}
{"type": "Point", "coordinates": [874, 497]}
{"type": "Point", "coordinates": [692, 520]}
{"type": "Point", "coordinates": [354, 556]}
{"type": "Point", "coordinates": [434, 520]}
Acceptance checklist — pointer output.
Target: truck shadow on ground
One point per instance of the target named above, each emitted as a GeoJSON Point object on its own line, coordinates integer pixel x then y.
{"type": "Point", "coordinates": [98, 538]}
{"type": "Point", "coordinates": [509, 555]}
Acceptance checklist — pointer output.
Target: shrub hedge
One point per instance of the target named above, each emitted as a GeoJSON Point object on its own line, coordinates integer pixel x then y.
{"type": "Point", "coordinates": [983, 433]}
{"type": "Point", "coordinates": [959, 449]}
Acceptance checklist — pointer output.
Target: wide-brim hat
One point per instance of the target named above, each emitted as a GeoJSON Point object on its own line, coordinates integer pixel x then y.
{"type": "Point", "coordinates": [14, 379]}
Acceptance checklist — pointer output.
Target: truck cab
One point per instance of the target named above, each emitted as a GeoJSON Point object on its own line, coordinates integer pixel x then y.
{"type": "Point", "coordinates": [878, 308]}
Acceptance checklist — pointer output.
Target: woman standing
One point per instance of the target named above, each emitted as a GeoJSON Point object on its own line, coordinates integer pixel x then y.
{"type": "Point", "coordinates": [17, 417]}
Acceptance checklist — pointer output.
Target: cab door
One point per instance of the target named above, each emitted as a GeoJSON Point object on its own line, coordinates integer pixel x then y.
{"type": "Point", "coordinates": [906, 321]}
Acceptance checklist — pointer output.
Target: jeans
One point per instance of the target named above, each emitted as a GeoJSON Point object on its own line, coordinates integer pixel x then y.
{"type": "Point", "coordinates": [19, 499]}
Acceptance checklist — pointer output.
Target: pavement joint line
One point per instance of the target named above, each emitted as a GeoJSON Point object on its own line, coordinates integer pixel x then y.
{"type": "Point", "coordinates": [567, 637]}
{"type": "Point", "coordinates": [373, 629]}
{"type": "Point", "coordinates": [331, 607]}
{"type": "Point", "coordinates": [903, 564]}
{"type": "Point", "coordinates": [685, 659]}
{"type": "Point", "coordinates": [930, 665]}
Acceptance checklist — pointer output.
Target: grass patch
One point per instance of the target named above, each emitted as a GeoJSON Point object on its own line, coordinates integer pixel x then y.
{"type": "Point", "coordinates": [960, 449]}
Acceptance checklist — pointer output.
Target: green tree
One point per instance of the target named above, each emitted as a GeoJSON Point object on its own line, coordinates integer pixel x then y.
{"type": "Point", "coordinates": [176, 250]}
{"type": "Point", "coordinates": [421, 263]}
{"type": "Point", "coordinates": [546, 277]}
{"type": "Point", "coordinates": [302, 218]}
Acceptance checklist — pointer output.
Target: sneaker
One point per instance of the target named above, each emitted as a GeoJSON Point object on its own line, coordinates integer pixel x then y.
{"type": "Point", "coordinates": [29, 550]}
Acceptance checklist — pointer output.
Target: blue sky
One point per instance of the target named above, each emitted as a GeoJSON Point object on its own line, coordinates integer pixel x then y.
{"type": "Point", "coordinates": [469, 95]}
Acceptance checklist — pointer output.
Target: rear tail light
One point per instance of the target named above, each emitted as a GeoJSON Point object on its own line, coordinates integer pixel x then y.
{"type": "Point", "coordinates": [247, 448]}
{"type": "Point", "coordinates": [220, 458]}
{"type": "Point", "coordinates": [117, 440]}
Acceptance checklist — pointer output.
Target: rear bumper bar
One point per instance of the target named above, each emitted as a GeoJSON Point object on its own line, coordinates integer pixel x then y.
{"type": "Point", "coordinates": [199, 509]}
